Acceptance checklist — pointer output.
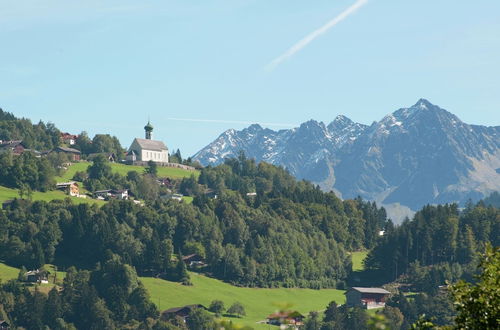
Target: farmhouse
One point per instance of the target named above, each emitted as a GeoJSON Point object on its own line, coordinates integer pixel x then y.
{"type": "Point", "coordinates": [69, 139]}
{"type": "Point", "coordinates": [37, 276]}
{"type": "Point", "coordinates": [71, 188]}
{"type": "Point", "coordinates": [181, 312]}
{"type": "Point", "coordinates": [15, 146]}
{"type": "Point", "coordinates": [286, 317]}
{"type": "Point", "coordinates": [111, 194]}
{"type": "Point", "coordinates": [144, 150]}
{"type": "Point", "coordinates": [366, 297]}
{"type": "Point", "coordinates": [194, 260]}
{"type": "Point", "coordinates": [75, 155]}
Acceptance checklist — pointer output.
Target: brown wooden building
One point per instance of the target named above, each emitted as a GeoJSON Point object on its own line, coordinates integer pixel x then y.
{"type": "Point", "coordinates": [366, 297]}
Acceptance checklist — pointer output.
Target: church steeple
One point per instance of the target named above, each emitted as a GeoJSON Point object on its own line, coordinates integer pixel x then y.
{"type": "Point", "coordinates": [149, 131]}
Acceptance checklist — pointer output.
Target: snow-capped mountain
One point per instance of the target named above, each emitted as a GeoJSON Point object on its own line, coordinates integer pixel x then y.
{"type": "Point", "coordinates": [414, 156]}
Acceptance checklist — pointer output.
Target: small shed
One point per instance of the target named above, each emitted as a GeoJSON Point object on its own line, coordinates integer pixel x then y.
{"type": "Point", "coordinates": [367, 298]}
{"type": "Point", "coordinates": [4, 325]}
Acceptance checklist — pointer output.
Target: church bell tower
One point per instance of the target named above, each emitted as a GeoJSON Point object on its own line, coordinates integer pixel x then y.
{"type": "Point", "coordinates": [149, 131]}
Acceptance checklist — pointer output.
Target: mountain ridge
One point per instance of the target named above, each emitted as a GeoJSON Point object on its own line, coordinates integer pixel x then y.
{"type": "Point", "coordinates": [417, 155]}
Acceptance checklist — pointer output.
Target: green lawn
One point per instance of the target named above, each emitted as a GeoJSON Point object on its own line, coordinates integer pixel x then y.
{"type": "Point", "coordinates": [258, 302]}
{"type": "Point", "coordinates": [357, 260]}
{"type": "Point", "coordinates": [123, 169]}
{"type": "Point", "coordinates": [7, 273]}
{"type": "Point", "coordinates": [8, 193]}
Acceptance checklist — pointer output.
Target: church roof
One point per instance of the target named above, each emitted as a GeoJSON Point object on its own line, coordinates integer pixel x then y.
{"type": "Point", "coordinates": [151, 144]}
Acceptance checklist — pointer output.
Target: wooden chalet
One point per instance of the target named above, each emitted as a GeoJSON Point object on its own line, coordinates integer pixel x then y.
{"type": "Point", "coordinates": [71, 188]}
{"type": "Point", "coordinates": [367, 298]}
{"type": "Point", "coordinates": [182, 312]}
{"type": "Point", "coordinates": [194, 260]}
{"type": "Point", "coordinates": [111, 194]}
{"type": "Point", "coordinates": [14, 146]}
{"type": "Point", "coordinates": [69, 139]}
{"type": "Point", "coordinates": [38, 276]}
{"type": "Point", "coordinates": [293, 318]}
{"type": "Point", "coordinates": [75, 155]}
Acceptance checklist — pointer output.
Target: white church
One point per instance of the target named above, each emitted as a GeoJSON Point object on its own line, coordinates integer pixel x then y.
{"type": "Point", "coordinates": [144, 150]}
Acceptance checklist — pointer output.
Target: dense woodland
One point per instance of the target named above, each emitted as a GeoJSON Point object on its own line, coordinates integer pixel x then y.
{"type": "Point", "coordinates": [289, 234]}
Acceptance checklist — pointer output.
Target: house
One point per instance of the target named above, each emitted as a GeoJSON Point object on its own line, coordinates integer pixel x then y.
{"type": "Point", "coordinates": [37, 276]}
{"type": "Point", "coordinates": [4, 325]}
{"type": "Point", "coordinates": [111, 157]}
{"type": "Point", "coordinates": [144, 150]}
{"type": "Point", "coordinates": [367, 298]}
{"type": "Point", "coordinates": [111, 194]}
{"type": "Point", "coordinates": [131, 157]}
{"type": "Point", "coordinates": [69, 139]}
{"type": "Point", "coordinates": [182, 312]}
{"type": "Point", "coordinates": [15, 146]}
{"type": "Point", "coordinates": [120, 194]}
{"type": "Point", "coordinates": [71, 188]}
{"type": "Point", "coordinates": [194, 260]}
{"type": "Point", "coordinates": [75, 155]}
{"type": "Point", "coordinates": [293, 318]}
{"type": "Point", "coordinates": [175, 197]}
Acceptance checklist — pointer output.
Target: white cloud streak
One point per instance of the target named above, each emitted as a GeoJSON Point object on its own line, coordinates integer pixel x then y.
{"type": "Point", "coordinates": [315, 34]}
{"type": "Point", "coordinates": [220, 121]}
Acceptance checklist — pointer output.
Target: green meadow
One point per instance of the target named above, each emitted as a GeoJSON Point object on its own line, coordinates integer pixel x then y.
{"type": "Point", "coordinates": [258, 303]}
{"type": "Point", "coordinates": [122, 169]}
{"type": "Point", "coordinates": [8, 193]}
{"type": "Point", "coordinates": [357, 260]}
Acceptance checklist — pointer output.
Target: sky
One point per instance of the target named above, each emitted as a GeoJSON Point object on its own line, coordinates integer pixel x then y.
{"type": "Point", "coordinates": [197, 68]}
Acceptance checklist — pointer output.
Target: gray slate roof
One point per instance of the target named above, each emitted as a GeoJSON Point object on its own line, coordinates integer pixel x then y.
{"type": "Point", "coordinates": [370, 290]}
{"type": "Point", "coordinates": [151, 144]}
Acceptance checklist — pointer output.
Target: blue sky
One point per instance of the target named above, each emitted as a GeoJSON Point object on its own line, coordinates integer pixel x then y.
{"type": "Point", "coordinates": [106, 66]}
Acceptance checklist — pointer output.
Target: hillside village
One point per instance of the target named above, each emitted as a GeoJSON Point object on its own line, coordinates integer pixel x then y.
{"type": "Point", "coordinates": [142, 152]}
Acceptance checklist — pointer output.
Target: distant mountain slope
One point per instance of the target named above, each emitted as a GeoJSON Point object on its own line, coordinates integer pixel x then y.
{"type": "Point", "coordinates": [414, 156]}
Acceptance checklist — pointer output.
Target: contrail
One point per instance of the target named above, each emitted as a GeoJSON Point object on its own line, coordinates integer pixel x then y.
{"type": "Point", "coordinates": [218, 121]}
{"type": "Point", "coordinates": [309, 38]}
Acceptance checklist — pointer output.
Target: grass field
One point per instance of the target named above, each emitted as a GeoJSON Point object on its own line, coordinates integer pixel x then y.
{"type": "Point", "coordinates": [7, 273]}
{"type": "Point", "coordinates": [8, 193]}
{"type": "Point", "coordinates": [258, 303]}
{"type": "Point", "coordinates": [357, 260]}
{"type": "Point", "coordinates": [122, 169]}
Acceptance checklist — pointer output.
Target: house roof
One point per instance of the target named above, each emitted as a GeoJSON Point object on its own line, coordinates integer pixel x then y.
{"type": "Point", "coordinates": [71, 150]}
{"type": "Point", "coordinates": [285, 315]}
{"type": "Point", "coordinates": [176, 309]}
{"type": "Point", "coordinates": [66, 184]}
{"type": "Point", "coordinates": [151, 144]}
{"type": "Point", "coordinates": [370, 290]}
{"type": "Point", "coordinates": [11, 144]}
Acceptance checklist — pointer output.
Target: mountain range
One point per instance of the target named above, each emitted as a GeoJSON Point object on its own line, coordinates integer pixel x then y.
{"type": "Point", "coordinates": [415, 156]}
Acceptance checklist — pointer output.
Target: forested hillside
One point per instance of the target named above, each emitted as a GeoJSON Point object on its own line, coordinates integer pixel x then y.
{"type": "Point", "coordinates": [289, 234]}
{"type": "Point", "coordinates": [39, 136]}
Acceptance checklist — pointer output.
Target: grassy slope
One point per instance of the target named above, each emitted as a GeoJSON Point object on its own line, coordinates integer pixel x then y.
{"type": "Point", "coordinates": [8, 193]}
{"type": "Point", "coordinates": [258, 302]}
{"type": "Point", "coordinates": [124, 169]}
{"type": "Point", "coordinates": [7, 273]}
{"type": "Point", "coordinates": [357, 260]}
